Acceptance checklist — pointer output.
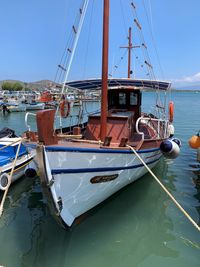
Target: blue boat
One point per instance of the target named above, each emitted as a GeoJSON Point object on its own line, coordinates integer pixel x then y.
{"type": "Point", "coordinates": [22, 164]}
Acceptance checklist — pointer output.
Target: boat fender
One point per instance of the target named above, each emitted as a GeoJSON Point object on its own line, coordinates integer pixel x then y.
{"type": "Point", "coordinates": [64, 108]}
{"type": "Point", "coordinates": [171, 111]}
{"type": "Point", "coordinates": [170, 149]}
{"type": "Point", "coordinates": [170, 130]}
{"type": "Point", "coordinates": [177, 141]}
{"type": "Point", "coordinates": [30, 173]}
{"type": "Point", "coordinates": [4, 181]}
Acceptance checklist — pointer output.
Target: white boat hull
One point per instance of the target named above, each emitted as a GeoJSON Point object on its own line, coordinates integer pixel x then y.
{"type": "Point", "coordinates": [19, 108]}
{"type": "Point", "coordinates": [38, 106]}
{"type": "Point", "coordinates": [81, 179]}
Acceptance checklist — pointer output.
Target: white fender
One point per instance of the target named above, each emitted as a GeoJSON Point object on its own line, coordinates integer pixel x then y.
{"type": "Point", "coordinates": [170, 149]}
{"type": "Point", "coordinates": [170, 130]}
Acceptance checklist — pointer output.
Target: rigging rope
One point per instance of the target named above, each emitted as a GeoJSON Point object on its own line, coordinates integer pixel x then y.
{"type": "Point", "coordinates": [160, 102]}
{"type": "Point", "coordinates": [75, 41]}
{"type": "Point", "coordinates": [88, 40]}
{"type": "Point", "coordinates": [123, 16]}
{"type": "Point", "coordinates": [152, 36]}
{"type": "Point", "coordinates": [141, 37]}
{"type": "Point", "coordinates": [116, 66]}
{"type": "Point", "coordinates": [165, 189]}
{"type": "Point", "coordinates": [71, 51]}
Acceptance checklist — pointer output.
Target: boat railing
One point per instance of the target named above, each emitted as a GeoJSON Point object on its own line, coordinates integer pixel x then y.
{"type": "Point", "coordinates": [26, 120]}
{"type": "Point", "coordinates": [159, 125]}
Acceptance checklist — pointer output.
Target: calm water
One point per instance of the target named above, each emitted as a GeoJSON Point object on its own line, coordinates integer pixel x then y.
{"type": "Point", "coordinates": [139, 226]}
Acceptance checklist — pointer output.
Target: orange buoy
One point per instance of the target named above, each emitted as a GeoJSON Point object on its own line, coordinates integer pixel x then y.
{"type": "Point", "coordinates": [64, 108]}
{"type": "Point", "coordinates": [194, 141]}
{"type": "Point", "coordinates": [171, 111]}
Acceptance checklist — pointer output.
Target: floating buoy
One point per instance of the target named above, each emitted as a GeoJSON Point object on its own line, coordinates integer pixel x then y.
{"type": "Point", "coordinates": [4, 181]}
{"type": "Point", "coordinates": [171, 111]}
{"type": "Point", "coordinates": [170, 148]}
{"type": "Point", "coordinates": [194, 141]}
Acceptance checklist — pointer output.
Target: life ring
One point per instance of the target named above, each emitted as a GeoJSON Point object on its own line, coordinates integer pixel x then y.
{"type": "Point", "coordinates": [171, 111]}
{"type": "Point", "coordinates": [64, 108]}
{"type": "Point", "coordinates": [4, 181]}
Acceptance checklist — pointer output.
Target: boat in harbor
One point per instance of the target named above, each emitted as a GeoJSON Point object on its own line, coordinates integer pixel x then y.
{"type": "Point", "coordinates": [34, 106]}
{"type": "Point", "coordinates": [17, 108]}
{"type": "Point", "coordinates": [24, 162]}
{"type": "Point", "coordinates": [83, 166]}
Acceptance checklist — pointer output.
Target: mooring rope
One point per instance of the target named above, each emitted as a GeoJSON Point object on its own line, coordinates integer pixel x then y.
{"type": "Point", "coordinates": [10, 178]}
{"type": "Point", "coordinates": [165, 189]}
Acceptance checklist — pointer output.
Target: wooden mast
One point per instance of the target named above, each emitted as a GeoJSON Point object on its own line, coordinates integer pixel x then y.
{"type": "Point", "coordinates": [129, 47]}
{"type": "Point", "coordinates": [129, 52]}
{"type": "Point", "coordinates": [104, 94]}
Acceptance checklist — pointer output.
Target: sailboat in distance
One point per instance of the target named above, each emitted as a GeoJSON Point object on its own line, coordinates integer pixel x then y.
{"type": "Point", "coordinates": [81, 168]}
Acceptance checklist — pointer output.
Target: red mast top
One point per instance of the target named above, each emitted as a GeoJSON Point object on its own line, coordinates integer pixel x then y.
{"type": "Point", "coordinates": [104, 94]}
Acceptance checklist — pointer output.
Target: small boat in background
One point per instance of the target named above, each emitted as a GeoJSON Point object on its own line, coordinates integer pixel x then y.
{"type": "Point", "coordinates": [24, 164]}
{"type": "Point", "coordinates": [34, 106]}
{"type": "Point", "coordinates": [17, 108]}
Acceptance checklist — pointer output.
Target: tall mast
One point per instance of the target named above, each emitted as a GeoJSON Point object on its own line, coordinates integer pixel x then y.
{"type": "Point", "coordinates": [104, 94]}
{"type": "Point", "coordinates": [129, 47]}
{"type": "Point", "coordinates": [129, 52]}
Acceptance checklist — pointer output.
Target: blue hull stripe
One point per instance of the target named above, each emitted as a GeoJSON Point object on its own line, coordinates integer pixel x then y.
{"type": "Point", "coordinates": [94, 150]}
{"type": "Point", "coordinates": [85, 170]}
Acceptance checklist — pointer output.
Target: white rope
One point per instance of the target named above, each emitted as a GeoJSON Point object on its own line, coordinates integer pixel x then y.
{"type": "Point", "coordinates": [165, 189]}
{"type": "Point", "coordinates": [10, 179]}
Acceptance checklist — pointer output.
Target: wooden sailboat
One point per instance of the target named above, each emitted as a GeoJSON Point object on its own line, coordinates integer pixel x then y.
{"type": "Point", "coordinates": [81, 169]}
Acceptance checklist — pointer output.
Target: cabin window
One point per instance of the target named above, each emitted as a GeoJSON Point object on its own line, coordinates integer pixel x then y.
{"type": "Point", "coordinates": [133, 99]}
{"type": "Point", "coordinates": [122, 99]}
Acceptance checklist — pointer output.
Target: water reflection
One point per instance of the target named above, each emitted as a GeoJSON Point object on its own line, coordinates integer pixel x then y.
{"type": "Point", "coordinates": [129, 227]}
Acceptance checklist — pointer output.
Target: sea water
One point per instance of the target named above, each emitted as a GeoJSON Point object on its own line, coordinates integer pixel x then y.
{"type": "Point", "coordinates": [138, 227]}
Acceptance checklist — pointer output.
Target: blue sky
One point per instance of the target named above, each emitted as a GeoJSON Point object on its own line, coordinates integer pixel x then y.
{"type": "Point", "coordinates": [34, 34]}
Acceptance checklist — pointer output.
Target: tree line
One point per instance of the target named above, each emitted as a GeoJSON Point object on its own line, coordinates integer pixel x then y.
{"type": "Point", "coordinates": [12, 86]}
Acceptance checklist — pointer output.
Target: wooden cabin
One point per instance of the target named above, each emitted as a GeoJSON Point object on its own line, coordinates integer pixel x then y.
{"type": "Point", "coordinates": [124, 108]}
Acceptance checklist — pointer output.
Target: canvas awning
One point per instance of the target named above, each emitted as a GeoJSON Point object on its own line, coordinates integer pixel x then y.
{"type": "Point", "coordinates": [93, 84]}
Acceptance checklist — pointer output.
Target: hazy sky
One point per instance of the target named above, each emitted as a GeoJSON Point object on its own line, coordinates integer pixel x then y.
{"type": "Point", "coordinates": [34, 34]}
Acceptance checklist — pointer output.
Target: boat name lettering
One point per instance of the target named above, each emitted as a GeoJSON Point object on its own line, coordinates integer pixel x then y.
{"type": "Point", "coordinates": [103, 178]}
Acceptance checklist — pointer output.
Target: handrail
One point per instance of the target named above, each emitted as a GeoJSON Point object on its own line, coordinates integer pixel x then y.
{"type": "Point", "coordinates": [152, 119]}
{"type": "Point", "coordinates": [26, 120]}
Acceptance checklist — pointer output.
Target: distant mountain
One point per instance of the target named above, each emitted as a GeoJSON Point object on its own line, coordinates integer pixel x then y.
{"type": "Point", "coordinates": [38, 85]}
{"type": "Point", "coordinates": [47, 84]}
{"type": "Point", "coordinates": [195, 87]}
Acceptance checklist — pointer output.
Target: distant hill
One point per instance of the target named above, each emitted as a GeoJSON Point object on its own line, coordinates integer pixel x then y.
{"type": "Point", "coordinates": [187, 88]}
{"type": "Point", "coordinates": [38, 85]}
{"type": "Point", "coordinates": [47, 84]}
